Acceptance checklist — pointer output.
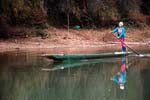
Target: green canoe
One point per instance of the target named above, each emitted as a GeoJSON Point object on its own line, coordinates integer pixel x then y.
{"type": "Point", "coordinates": [85, 56]}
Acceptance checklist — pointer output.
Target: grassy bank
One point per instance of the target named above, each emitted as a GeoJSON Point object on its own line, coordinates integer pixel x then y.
{"type": "Point", "coordinates": [84, 38]}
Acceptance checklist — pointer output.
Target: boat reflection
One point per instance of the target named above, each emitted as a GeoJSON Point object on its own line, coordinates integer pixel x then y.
{"type": "Point", "coordinates": [71, 64]}
{"type": "Point", "coordinates": [121, 77]}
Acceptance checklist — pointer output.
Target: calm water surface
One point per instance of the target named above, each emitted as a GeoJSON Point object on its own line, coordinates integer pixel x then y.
{"type": "Point", "coordinates": [27, 76]}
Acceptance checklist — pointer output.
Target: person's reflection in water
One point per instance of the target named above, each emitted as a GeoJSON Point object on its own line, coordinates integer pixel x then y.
{"type": "Point", "coordinates": [120, 78]}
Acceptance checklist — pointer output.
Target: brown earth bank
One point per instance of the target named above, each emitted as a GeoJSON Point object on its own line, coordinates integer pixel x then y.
{"type": "Point", "coordinates": [78, 40]}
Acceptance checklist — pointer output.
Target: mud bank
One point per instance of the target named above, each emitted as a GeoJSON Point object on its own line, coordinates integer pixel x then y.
{"type": "Point", "coordinates": [70, 48]}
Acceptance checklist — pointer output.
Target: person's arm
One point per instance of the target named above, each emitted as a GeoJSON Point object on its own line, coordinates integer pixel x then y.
{"type": "Point", "coordinates": [114, 30]}
{"type": "Point", "coordinates": [115, 79]}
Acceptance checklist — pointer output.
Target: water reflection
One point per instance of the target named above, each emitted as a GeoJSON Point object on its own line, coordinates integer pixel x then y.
{"type": "Point", "coordinates": [21, 78]}
{"type": "Point", "coordinates": [121, 77]}
{"type": "Point", "coordinates": [72, 64]}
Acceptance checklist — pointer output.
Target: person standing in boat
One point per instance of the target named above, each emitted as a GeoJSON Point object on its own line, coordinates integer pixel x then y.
{"type": "Point", "coordinates": [121, 31]}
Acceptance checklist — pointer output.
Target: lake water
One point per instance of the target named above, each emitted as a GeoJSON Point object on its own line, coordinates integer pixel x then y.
{"type": "Point", "coordinates": [27, 76]}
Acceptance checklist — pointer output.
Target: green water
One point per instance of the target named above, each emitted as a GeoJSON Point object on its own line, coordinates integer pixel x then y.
{"type": "Point", "coordinates": [22, 78]}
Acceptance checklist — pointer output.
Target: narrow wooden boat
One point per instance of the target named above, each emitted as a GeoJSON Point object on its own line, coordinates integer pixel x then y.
{"type": "Point", "coordinates": [85, 56]}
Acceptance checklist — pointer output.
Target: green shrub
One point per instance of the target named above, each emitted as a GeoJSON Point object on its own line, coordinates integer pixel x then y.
{"type": "Point", "coordinates": [42, 34]}
{"type": "Point", "coordinates": [41, 26]}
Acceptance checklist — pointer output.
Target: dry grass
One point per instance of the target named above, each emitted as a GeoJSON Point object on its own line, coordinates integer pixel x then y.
{"type": "Point", "coordinates": [101, 35]}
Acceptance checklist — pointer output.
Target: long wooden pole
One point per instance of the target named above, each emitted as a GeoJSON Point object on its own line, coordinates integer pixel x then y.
{"type": "Point", "coordinates": [128, 46]}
